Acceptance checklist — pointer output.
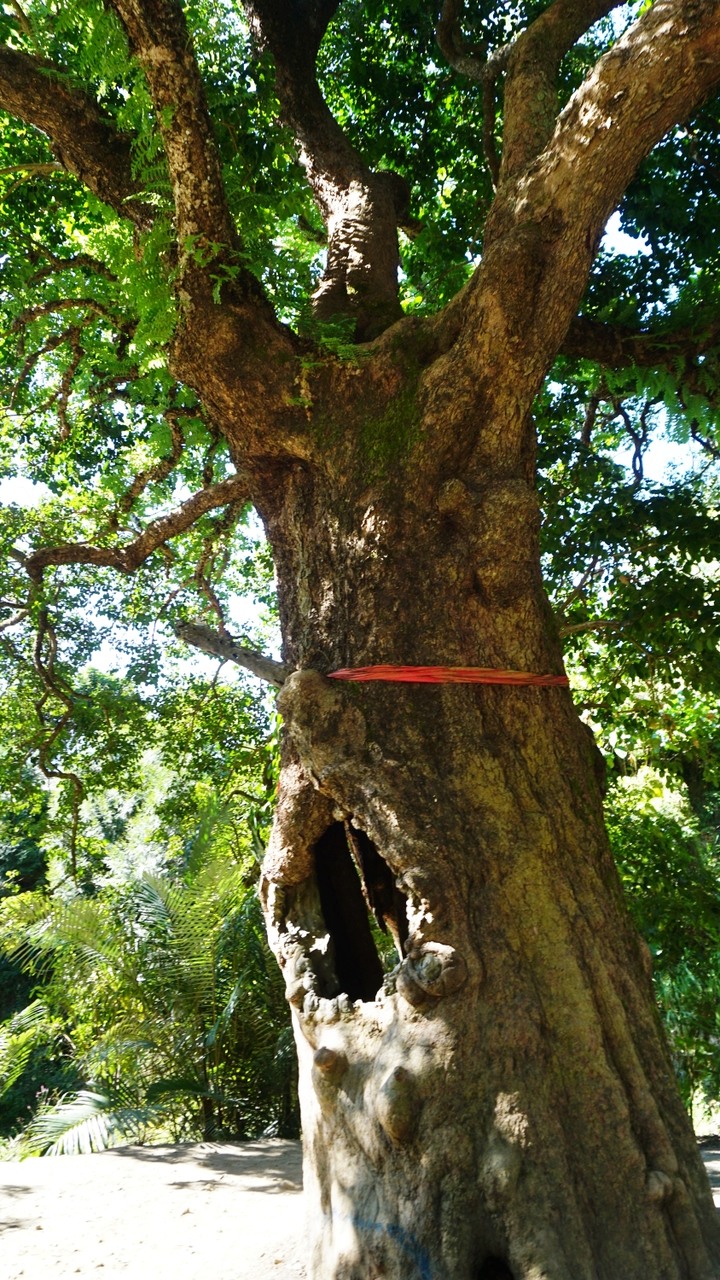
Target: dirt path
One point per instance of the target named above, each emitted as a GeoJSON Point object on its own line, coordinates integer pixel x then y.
{"type": "Point", "coordinates": [166, 1213]}
{"type": "Point", "coordinates": [155, 1213]}
{"type": "Point", "coordinates": [710, 1151]}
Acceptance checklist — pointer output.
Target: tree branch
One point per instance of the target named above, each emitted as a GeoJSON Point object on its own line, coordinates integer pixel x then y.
{"type": "Point", "coordinates": [129, 558]}
{"type": "Point", "coordinates": [54, 264]}
{"type": "Point", "coordinates": [15, 620]}
{"type": "Point", "coordinates": [472, 60]}
{"type": "Point", "coordinates": [223, 646]}
{"type": "Point", "coordinates": [160, 40]}
{"type": "Point", "coordinates": [23, 20]}
{"type": "Point", "coordinates": [598, 624]}
{"type": "Point", "coordinates": [61, 304]}
{"type": "Point", "coordinates": [319, 15]}
{"type": "Point", "coordinates": [533, 63]}
{"type": "Point", "coordinates": [84, 141]}
{"type": "Point", "coordinates": [52, 166]}
{"type": "Point", "coordinates": [361, 209]}
{"type": "Point", "coordinates": [707, 446]}
{"type": "Point", "coordinates": [617, 346]}
{"type": "Point", "coordinates": [660, 71]}
{"type": "Point", "coordinates": [545, 225]}
{"type": "Point", "coordinates": [237, 356]}
{"type": "Point", "coordinates": [155, 474]}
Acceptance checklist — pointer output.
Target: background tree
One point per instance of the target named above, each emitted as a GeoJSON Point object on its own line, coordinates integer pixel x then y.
{"type": "Point", "coordinates": [506, 1105]}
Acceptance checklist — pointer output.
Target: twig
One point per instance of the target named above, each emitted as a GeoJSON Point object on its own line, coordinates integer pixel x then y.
{"type": "Point", "coordinates": [46, 167]}
{"type": "Point", "coordinates": [128, 558]}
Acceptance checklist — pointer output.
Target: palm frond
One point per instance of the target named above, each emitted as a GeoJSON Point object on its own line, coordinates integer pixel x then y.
{"type": "Point", "coordinates": [18, 1037]}
{"type": "Point", "coordinates": [84, 1122]}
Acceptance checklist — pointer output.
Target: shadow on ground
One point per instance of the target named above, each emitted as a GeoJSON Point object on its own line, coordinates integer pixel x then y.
{"type": "Point", "coordinates": [710, 1152]}
{"type": "Point", "coordinates": [269, 1160]}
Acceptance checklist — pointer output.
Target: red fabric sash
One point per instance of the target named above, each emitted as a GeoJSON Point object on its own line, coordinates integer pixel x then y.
{"type": "Point", "coordinates": [446, 675]}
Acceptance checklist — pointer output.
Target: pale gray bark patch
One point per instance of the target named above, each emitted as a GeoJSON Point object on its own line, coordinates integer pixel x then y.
{"type": "Point", "coordinates": [224, 646]}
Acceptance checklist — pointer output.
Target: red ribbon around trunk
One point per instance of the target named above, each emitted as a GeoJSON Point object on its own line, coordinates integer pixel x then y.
{"type": "Point", "coordinates": [446, 675]}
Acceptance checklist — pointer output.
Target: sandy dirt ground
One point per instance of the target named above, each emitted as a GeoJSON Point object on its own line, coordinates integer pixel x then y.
{"type": "Point", "coordinates": [710, 1151]}
{"type": "Point", "coordinates": [193, 1212]}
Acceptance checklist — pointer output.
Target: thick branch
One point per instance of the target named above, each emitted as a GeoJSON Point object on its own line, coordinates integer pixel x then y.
{"type": "Point", "coordinates": [469, 59]}
{"type": "Point", "coordinates": [228, 345]}
{"type": "Point", "coordinates": [361, 209]}
{"type": "Point", "coordinates": [228, 649]}
{"type": "Point", "coordinates": [320, 14]}
{"type": "Point", "coordinates": [532, 61]}
{"type": "Point", "coordinates": [129, 558]}
{"type": "Point", "coordinates": [159, 38]}
{"type": "Point", "coordinates": [546, 222]}
{"type": "Point", "coordinates": [531, 79]}
{"type": "Point", "coordinates": [654, 77]}
{"type": "Point", "coordinates": [617, 347]}
{"type": "Point", "coordinates": [544, 228]}
{"type": "Point", "coordinates": [85, 143]}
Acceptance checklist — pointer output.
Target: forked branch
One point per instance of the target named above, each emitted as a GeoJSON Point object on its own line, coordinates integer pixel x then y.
{"type": "Point", "coordinates": [533, 63]}
{"type": "Point", "coordinates": [361, 209]}
{"type": "Point", "coordinates": [228, 344]}
{"type": "Point", "coordinates": [551, 216]}
{"type": "Point", "coordinates": [469, 59]}
{"type": "Point", "coordinates": [619, 112]}
{"type": "Point", "coordinates": [129, 557]}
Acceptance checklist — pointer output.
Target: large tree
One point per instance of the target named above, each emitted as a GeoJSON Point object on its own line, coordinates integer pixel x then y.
{"type": "Point", "coordinates": [502, 1103]}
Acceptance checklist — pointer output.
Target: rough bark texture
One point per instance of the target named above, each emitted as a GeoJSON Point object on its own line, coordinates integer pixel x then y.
{"type": "Point", "coordinates": [507, 1095]}
{"type": "Point", "coordinates": [361, 209]}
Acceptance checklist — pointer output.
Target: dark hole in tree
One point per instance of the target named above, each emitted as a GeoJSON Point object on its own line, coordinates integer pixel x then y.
{"type": "Point", "coordinates": [353, 878]}
{"type": "Point", "coordinates": [384, 899]}
{"type": "Point", "coordinates": [494, 1269]}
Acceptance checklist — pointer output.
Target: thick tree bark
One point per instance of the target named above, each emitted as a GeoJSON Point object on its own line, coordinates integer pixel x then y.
{"type": "Point", "coordinates": [506, 1099]}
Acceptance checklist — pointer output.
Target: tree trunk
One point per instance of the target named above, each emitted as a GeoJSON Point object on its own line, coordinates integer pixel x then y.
{"type": "Point", "coordinates": [502, 1104]}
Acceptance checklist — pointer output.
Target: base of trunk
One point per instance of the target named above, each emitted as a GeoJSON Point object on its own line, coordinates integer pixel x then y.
{"type": "Point", "coordinates": [504, 1105]}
